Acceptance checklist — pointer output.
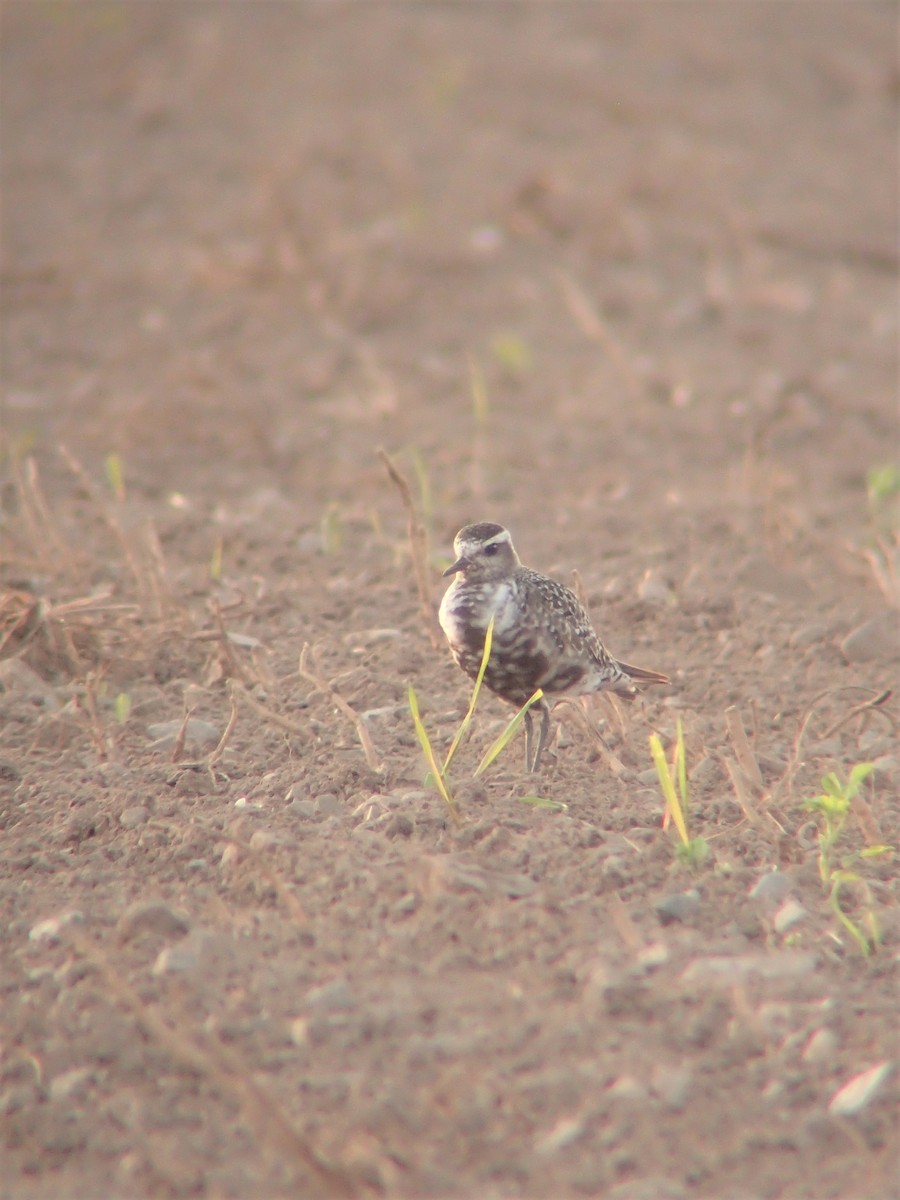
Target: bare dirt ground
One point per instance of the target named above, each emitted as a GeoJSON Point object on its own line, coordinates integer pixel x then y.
{"type": "Point", "coordinates": [620, 276]}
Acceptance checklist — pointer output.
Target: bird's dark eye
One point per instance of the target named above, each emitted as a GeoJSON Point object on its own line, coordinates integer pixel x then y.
{"type": "Point", "coordinates": [491, 550]}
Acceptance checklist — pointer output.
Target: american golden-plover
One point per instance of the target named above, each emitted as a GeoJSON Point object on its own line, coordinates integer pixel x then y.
{"type": "Point", "coordinates": [542, 636]}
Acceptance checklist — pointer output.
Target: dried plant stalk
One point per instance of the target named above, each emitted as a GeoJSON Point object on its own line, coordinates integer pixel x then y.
{"type": "Point", "coordinates": [418, 544]}
{"type": "Point", "coordinates": [225, 1069]}
{"type": "Point", "coordinates": [307, 670]}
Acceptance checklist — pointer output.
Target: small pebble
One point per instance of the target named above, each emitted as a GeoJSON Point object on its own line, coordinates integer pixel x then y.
{"type": "Point", "coordinates": [263, 839]}
{"type": "Point", "coordinates": [654, 955]}
{"type": "Point", "coordinates": [334, 996]}
{"type": "Point", "coordinates": [133, 817]}
{"type": "Point", "coordinates": [862, 1089]}
{"type": "Point", "coordinates": [305, 810]}
{"type": "Point", "coordinates": [152, 916]}
{"type": "Point", "coordinates": [564, 1133]}
{"type": "Point", "coordinates": [654, 590]}
{"type": "Point", "coordinates": [197, 734]}
{"type": "Point", "coordinates": [672, 1085]}
{"type": "Point", "coordinates": [626, 1087]}
{"type": "Point", "coordinates": [706, 770]}
{"type": "Point", "coordinates": [679, 907]}
{"type": "Point", "coordinates": [49, 930]}
{"type": "Point", "coordinates": [790, 914]}
{"type": "Point", "coordinates": [821, 1047]}
{"type": "Point", "coordinates": [71, 1083]}
{"type": "Point", "coordinates": [726, 970]}
{"type": "Point", "coordinates": [771, 888]}
{"type": "Point", "coordinates": [328, 805]}
{"type": "Point", "coordinates": [187, 955]}
{"type": "Point", "coordinates": [876, 639]}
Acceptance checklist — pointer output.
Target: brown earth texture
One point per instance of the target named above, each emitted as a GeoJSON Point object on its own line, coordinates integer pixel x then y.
{"type": "Point", "coordinates": [620, 276]}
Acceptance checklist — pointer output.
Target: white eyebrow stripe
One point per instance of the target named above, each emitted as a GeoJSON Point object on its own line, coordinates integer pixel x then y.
{"type": "Point", "coordinates": [502, 536]}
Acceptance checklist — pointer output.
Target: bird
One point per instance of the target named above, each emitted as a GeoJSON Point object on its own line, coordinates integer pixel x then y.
{"type": "Point", "coordinates": [542, 635]}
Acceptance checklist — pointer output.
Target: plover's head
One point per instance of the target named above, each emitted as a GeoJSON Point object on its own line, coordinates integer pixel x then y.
{"type": "Point", "coordinates": [484, 552]}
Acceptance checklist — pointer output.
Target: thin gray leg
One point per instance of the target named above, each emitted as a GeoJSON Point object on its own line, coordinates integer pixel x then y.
{"type": "Point", "coordinates": [529, 739]}
{"type": "Point", "coordinates": [542, 736]}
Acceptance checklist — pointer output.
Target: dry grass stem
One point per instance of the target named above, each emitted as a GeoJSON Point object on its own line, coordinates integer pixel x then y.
{"type": "Point", "coordinates": [579, 589]}
{"type": "Point", "coordinates": [418, 544]}
{"type": "Point", "coordinates": [236, 690]}
{"type": "Point", "coordinates": [223, 1068]}
{"type": "Point", "coordinates": [612, 762]}
{"type": "Point", "coordinates": [875, 706]}
{"type": "Point", "coordinates": [786, 782]}
{"type": "Point", "coordinates": [745, 791]}
{"type": "Point", "coordinates": [308, 672]}
{"type": "Point", "coordinates": [595, 329]}
{"type": "Point", "coordinates": [44, 535]}
{"type": "Point", "coordinates": [224, 739]}
{"type": "Point", "coordinates": [742, 748]}
{"type": "Point", "coordinates": [624, 925]}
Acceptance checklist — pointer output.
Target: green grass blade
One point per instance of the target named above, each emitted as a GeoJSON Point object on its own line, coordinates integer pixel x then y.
{"type": "Point", "coordinates": [467, 719]}
{"type": "Point", "coordinates": [668, 788]}
{"type": "Point", "coordinates": [425, 743]}
{"type": "Point", "coordinates": [680, 765]}
{"type": "Point", "coordinates": [542, 802]}
{"type": "Point", "coordinates": [507, 735]}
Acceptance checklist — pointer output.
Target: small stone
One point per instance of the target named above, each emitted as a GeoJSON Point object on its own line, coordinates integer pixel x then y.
{"type": "Point", "coordinates": [245, 805]}
{"type": "Point", "coordinates": [678, 907]}
{"type": "Point", "coordinates": [50, 929]}
{"type": "Point", "coordinates": [790, 913]}
{"type": "Point", "coordinates": [705, 772]}
{"type": "Point", "coordinates": [152, 916]}
{"type": "Point", "coordinates": [626, 1087]}
{"type": "Point", "coordinates": [672, 1085]}
{"type": "Point", "coordinates": [886, 764]}
{"type": "Point", "coordinates": [191, 953]}
{"type": "Point", "coordinates": [305, 810]}
{"type": "Point", "coordinates": [771, 888]}
{"type": "Point", "coordinates": [821, 1047]}
{"type": "Point", "coordinates": [328, 805]}
{"type": "Point", "coordinates": [197, 734]}
{"type": "Point", "coordinates": [230, 856]}
{"type": "Point", "coordinates": [826, 748]}
{"type": "Point", "coordinates": [654, 590]}
{"type": "Point", "coordinates": [878, 638]}
{"type": "Point", "coordinates": [400, 825]}
{"type": "Point", "coordinates": [564, 1133]}
{"type": "Point", "coordinates": [809, 635]}
{"type": "Point", "coordinates": [263, 839]}
{"type": "Point", "coordinates": [726, 970]}
{"type": "Point", "coordinates": [334, 996]}
{"type": "Point", "coordinates": [71, 1083]}
{"type": "Point", "coordinates": [862, 1089]}
{"type": "Point", "coordinates": [652, 956]}
{"type": "Point", "coordinates": [134, 816]}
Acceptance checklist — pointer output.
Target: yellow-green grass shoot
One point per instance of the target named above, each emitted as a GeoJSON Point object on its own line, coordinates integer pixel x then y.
{"type": "Point", "coordinates": [691, 850]}
{"type": "Point", "coordinates": [122, 707]}
{"type": "Point", "coordinates": [425, 743]}
{"type": "Point", "coordinates": [332, 529]}
{"type": "Point", "coordinates": [833, 806]}
{"type": "Point", "coordinates": [512, 353]}
{"type": "Point", "coordinates": [467, 719]}
{"type": "Point", "coordinates": [115, 475]}
{"type": "Point", "coordinates": [507, 735]}
{"type": "Point", "coordinates": [216, 559]}
{"type": "Point", "coordinates": [479, 392]}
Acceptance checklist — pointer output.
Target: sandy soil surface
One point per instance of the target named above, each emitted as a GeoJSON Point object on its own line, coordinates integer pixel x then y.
{"type": "Point", "coordinates": [619, 276]}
